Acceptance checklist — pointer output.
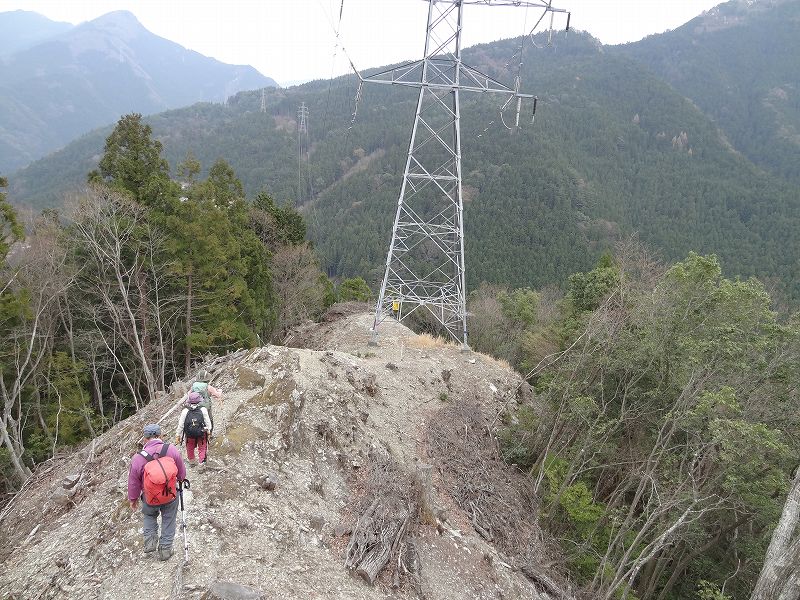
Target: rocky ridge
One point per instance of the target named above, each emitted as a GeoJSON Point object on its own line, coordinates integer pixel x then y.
{"type": "Point", "coordinates": [308, 445]}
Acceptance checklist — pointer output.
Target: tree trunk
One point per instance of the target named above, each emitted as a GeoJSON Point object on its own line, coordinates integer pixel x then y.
{"type": "Point", "coordinates": [42, 423]}
{"type": "Point", "coordinates": [144, 317]}
{"type": "Point", "coordinates": [379, 555]}
{"type": "Point", "coordinates": [782, 549]}
{"type": "Point", "coordinates": [188, 363]}
{"type": "Point", "coordinates": [791, 591]}
{"type": "Point", "coordinates": [22, 471]}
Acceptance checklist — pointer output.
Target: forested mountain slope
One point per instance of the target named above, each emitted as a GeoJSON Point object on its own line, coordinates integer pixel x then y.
{"type": "Point", "coordinates": [87, 76]}
{"type": "Point", "coordinates": [615, 150]}
{"type": "Point", "coordinates": [740, 63]}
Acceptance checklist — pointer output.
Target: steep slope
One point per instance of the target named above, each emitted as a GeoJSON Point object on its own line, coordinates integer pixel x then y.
{"type": "Point", "coordinates": [88, 76]}
{"type": "Point", "coordinates": [338, 432]}
{"type": "Point", "coordinates": [20, 29]}
{"type": "Point", "coordinates": [740, 63]}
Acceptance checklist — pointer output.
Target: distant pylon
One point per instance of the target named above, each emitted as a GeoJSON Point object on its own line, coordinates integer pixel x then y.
{"type": "Point", "coordinates": [263, 100]}
{"type": "Point", "coordinates": [425, 263]}
{"type": "Point", "coordinates": [302, 151]}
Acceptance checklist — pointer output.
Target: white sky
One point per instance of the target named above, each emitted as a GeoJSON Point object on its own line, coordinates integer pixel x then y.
{"type": "Point", "coordinates": [294, 40]}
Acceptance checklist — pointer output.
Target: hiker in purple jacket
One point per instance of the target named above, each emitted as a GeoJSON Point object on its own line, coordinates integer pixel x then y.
{"type": "Point", "coordinates": [169, 511]}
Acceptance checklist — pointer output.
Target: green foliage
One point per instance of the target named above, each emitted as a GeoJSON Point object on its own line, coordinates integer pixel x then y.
{"type": "Point", "coordinates": [502, 322]}
{"type": "Point", "coordinates": [222, 186]}
{"type": "Point", "coordinates": [744, 91]}
{"type": "Point", "coordinates": [132, 161]}
{"type": "Point", "coordinates": [69, 415]}
{"type": "Point", "coordinates": [581, 510]}
{"type": "Point", "coordinates": [520, 306]}
{"type": "Point", "coordinates": [14, 309]}
{"type": "Point", "coordinates": [678, 400]}
{"type": "Point", "coordinates": [513, 438]}
{"type": "Point", "coordinates": [11, 229]}
{"type": "Point", "coordinates": [220, 256]}
{"type": "Point", "coordinates": [329, 297]}
{"type": "Point", "coordinates": [588, 290]}
{"type": "Point", "coordinates": [190, 168]}
{"type": "Point", "coordinates": [277, 225]}
{"type": "Point", "coordinates": [707, 590]}
{"type": "Point", "coordinates": [355, 289]}
{"type": "Point", "coordinates": [142, 281]}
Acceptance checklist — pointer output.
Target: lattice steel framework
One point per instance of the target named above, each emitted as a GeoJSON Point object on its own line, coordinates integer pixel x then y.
{"type": "Point", "coordinates": [302, 154]}
{"type": "Point", "coordinates": [425, 262]}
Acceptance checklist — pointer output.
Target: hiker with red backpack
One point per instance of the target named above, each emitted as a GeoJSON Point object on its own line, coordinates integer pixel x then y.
{"type": "Point", "coordinates": [194, 425]}
{"type": "Point", "coordinates": [153, 477]}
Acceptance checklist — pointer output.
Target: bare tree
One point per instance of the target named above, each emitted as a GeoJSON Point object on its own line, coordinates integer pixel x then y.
{"type": "Point", "coordinates": [39, 280]}
{"type": "Point", "coordinates": [296, 277]}
{"type": "Point", "coordinates": [116, 244]}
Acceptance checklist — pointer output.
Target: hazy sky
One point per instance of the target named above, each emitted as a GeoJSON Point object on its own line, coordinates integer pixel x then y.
{"type": "Point", "coordinates": [294, 40]}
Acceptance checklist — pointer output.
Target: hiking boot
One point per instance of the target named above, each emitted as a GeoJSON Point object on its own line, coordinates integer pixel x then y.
{"type": "Point", "coordinates": [165, 552]}
{"type": "Point", "coordinates": [150, 544]}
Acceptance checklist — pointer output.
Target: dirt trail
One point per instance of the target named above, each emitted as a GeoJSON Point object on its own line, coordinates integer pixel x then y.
{"type": "Point", "coordinates": [308, 420]}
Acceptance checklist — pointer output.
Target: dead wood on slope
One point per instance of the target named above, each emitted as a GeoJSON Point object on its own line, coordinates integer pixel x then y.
{"type": "Point", "coordinates": [388, 512]}
{"type": "Point", "coordinates": [498, 502]}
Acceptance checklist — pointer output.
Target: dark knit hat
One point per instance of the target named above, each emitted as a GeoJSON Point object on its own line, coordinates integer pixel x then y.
{"type": "Point", "coordinates": [152, 430]}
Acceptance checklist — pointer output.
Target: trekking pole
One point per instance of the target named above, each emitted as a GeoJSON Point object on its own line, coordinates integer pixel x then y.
{"type": "Point", "coordinates": [184, 484]}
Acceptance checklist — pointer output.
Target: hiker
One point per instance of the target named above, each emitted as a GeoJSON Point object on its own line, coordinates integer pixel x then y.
{"type": "Point", "coordinates": [194, 425]}
{"type": "Point", "coordinates": [206, 391]}
{"type": "Point", "coordinates": [153, 477]}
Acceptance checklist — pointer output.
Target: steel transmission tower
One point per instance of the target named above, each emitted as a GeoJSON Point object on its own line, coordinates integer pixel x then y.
{"type": "Point", "coordinates": [302, 150]}
{"type": "Point", "coordinates": [425, 263]}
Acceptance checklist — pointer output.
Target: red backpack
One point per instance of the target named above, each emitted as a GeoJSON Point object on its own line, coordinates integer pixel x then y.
{"type": "Point", "coordinates": [160, 477]}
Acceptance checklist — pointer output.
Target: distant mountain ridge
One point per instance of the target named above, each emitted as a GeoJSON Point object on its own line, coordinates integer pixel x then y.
{"type": "Point", "coordinates": [73, 80]}
{"type": "Point", "coordinates": [616, 149]}
{"type": "Point", "coordinates": [22, 29]}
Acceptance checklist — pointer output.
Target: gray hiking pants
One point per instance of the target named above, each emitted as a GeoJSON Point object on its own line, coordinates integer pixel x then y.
{"type": "Point", "coordinates": [169, 513]}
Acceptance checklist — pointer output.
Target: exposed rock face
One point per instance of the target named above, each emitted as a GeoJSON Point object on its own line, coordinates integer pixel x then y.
{"type": "Point", "coordinates": [289, 472]}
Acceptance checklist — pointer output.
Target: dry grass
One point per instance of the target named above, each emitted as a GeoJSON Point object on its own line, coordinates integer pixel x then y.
{"type": "Point", "coordinates": [426, 341]}
{"type": "Point", "coordinates": [497, 362]}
